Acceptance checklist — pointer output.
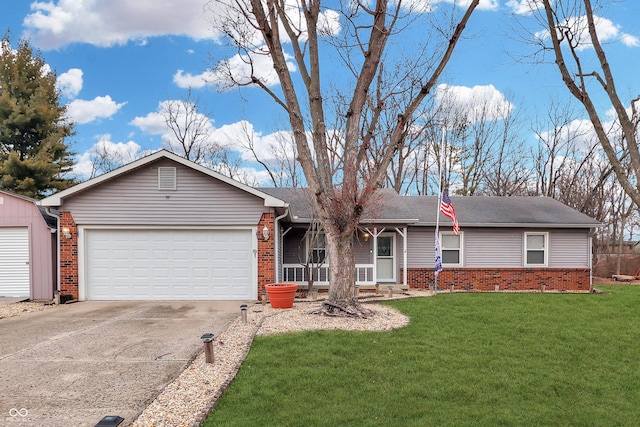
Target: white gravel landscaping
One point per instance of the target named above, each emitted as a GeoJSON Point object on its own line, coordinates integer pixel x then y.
{"type": "Point", "coordinates": [187, 401]}
{"type": "Point", "coordinates": [18, 308]}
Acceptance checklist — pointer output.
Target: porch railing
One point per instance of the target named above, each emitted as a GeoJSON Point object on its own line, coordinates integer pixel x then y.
{"type": "Point", "coordinates": [296, 273]}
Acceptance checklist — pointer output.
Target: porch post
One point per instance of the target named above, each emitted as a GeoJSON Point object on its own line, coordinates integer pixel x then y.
{"type": "Point", "coordinates": [375, 255]}
{"type": "Point", "coordinates": [403, 233]}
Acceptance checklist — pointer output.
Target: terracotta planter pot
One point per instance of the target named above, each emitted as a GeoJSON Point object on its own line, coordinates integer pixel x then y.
{"type": "Point", "coordinates": [281, 295]}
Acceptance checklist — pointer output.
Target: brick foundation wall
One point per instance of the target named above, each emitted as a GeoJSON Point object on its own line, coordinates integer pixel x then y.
{"type": "Point", "coordinates": [266, 252]}
{"type": "Point", "coordinates": [503, 279]}
{"type": "Point", "coordinates": [68, 257]}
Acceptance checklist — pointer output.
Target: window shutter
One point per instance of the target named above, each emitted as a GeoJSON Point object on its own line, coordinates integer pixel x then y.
{"type": "Point", "coordinates": [166, 178]}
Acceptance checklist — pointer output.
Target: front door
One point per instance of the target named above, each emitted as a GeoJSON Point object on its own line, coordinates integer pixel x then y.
{"type": "Point", "coordinates": [385, 258]}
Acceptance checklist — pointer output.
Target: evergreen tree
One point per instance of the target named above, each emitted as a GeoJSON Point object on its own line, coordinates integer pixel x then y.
{"type": "Point", "coordinates": [33, 155]}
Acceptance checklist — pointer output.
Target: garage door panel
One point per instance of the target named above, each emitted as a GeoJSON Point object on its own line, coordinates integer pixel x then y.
{"type": "Point", "coordinates": [169, 264]}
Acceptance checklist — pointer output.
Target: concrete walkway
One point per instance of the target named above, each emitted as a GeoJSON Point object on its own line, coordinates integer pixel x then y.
{"type": "Point", "coordinates": [73, 364]}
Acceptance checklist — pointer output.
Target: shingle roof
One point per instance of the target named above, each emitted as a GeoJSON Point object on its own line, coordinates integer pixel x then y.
{"type": "Point", "coordinates": [389, 206]}
{"type": "Point", "coordinates": [489, 211]}
{"type": "Point", "coordinates": [476, 211]}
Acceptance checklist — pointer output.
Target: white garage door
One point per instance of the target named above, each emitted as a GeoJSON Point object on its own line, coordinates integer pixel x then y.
{"type": "Point", "coordinates": [169, 265]}
{"type": "Point", "coordinates": [14, 262]}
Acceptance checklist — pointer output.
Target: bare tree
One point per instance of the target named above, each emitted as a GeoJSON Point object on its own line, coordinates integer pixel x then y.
{"type": "Point", "coordinates": [105, 156]}
{"type": "Point", "coordinates": [340, 194]}
{"type": "Point", "coordinates": [571, 26]}
{"type": "Point", "coordinates": [564, 144]}
{"type": "Point", "coordinates": [190, 131]}
{"type": "Point", "coordinates": [278, 159]}
{"type": "Point", "coordinates": [508, 172]}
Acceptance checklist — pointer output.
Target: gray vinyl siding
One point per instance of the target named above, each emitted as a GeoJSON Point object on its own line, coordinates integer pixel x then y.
{"type": "Point", "coordinates": [502, 248]}
{"type": "Point", "coordinates": [134, 199]}
{"type": "Point", "coordinates": [569, 249]}
{"type": "Point", "coordinates": [493, 248]}
{"type": "Point", "coordinates": [420, 247]}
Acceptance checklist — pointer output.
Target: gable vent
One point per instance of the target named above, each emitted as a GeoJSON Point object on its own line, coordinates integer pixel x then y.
{"type": "Point", "coordinates": [166, 178]}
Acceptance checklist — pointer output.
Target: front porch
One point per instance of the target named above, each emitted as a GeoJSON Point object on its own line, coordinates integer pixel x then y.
{"type": "Point", "coordinates": [380, 258]}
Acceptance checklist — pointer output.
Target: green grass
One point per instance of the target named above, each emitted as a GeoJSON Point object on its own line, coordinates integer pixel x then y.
{"type": "Point", "coordinates": [465, 360]}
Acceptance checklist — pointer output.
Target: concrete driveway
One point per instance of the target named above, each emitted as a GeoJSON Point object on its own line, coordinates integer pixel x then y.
{"type": "Point", "coordinates": [73, 364]}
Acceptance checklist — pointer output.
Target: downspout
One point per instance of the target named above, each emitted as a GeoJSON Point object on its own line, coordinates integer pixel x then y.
{"type": "Point", "coordinates": [590, 262]}
{"type": "Point", "coordinates": [276, 225]}
{"type": "Point", "coordinates": [57, 217]}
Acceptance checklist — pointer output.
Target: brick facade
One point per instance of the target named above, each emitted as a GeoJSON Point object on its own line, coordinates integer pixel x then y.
{"type": "Point", "coordinates": [266, 252]}
{"type": "Point", "coordinates": [504, 279]}
{"type": "Point", "coordinates": [68, 256]}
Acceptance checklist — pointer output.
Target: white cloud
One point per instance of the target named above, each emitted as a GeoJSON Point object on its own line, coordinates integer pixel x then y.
{"type": "Point", "coordinates": [118, 153]}
{"type": "Point", "coordinates": [53, 24]}
{"type": "Point", "coordinates": [268, 148]}
{"type": "Point", "coordinates": [524, 7]}
{"type": "Point", "coordinates": [477, 103]}
{"type": "Point", "coordinates": [427, 6]}
{"type": "Point", "coordinates": [152, 123]}
{"type": "Point", "coordinates": [629, 40]}
{"type": "Point", "coordinates": [70, 83]}
{"type": "Point", "coordinates": [238, 68]}
{"type": "Point", "coordinates": [81, 111]}
{"type": "Point", "coordinates": [607, 32]}
{"type": "Point", "coordinates": [56, 23]}
{"type": "Point", "coordinates": [227, 20]}
{"type": "Point", "coordinates": [189, 80]}
{"type": "Point", "coordinates": [329, 23]}
{"type": "Point", "coordinates": [483, 5]}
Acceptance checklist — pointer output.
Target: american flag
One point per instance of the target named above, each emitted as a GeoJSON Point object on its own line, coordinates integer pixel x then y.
{"type": "Point", "coordinates": [446, 207]}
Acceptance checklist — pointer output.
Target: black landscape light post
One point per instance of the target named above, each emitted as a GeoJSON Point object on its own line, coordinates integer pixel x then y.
{"type": "Point", "coordinates": [207, 339]}
{"type": "Point", "coordinates": [243, 311]}
{"type": "Point", "coordinates": [110, 421]}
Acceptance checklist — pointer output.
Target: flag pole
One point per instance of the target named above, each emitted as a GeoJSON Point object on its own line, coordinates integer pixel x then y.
{"type": "Point", "coordinates": [437, 237]}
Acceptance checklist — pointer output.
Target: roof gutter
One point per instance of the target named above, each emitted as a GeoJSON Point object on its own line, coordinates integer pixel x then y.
{"type": "Point", "coordinates": [518, 225]}
{"type": "Point", "coordinates": [57, 231]}
{"type": "Point", "coordinates": [276, 232]}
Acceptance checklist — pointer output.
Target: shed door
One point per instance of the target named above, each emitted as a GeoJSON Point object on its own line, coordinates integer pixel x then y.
{"type": "Point", "coordinates": [14, 262]}
{"type": "Point", "coordinates": [166, 264]}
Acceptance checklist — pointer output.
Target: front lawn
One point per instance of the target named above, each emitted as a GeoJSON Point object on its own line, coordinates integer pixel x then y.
{"type": "Point", "coordinates": [465, 359]}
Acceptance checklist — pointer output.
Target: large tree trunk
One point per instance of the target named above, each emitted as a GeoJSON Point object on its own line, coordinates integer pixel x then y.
{"type": "Point", "coordinates": [342, 300]}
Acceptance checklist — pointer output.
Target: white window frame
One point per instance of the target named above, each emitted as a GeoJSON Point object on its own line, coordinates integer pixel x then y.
{"type": "Point", "coordinates": [460, 249]}
{"type": "Point", "coordinates": [311, 249]}
{"type": "Point", "coordinates": [545, 248]}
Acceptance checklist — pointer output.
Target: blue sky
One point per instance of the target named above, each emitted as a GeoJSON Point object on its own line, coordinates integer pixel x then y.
{"type": "Point", "coordinates": [117, 60]}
